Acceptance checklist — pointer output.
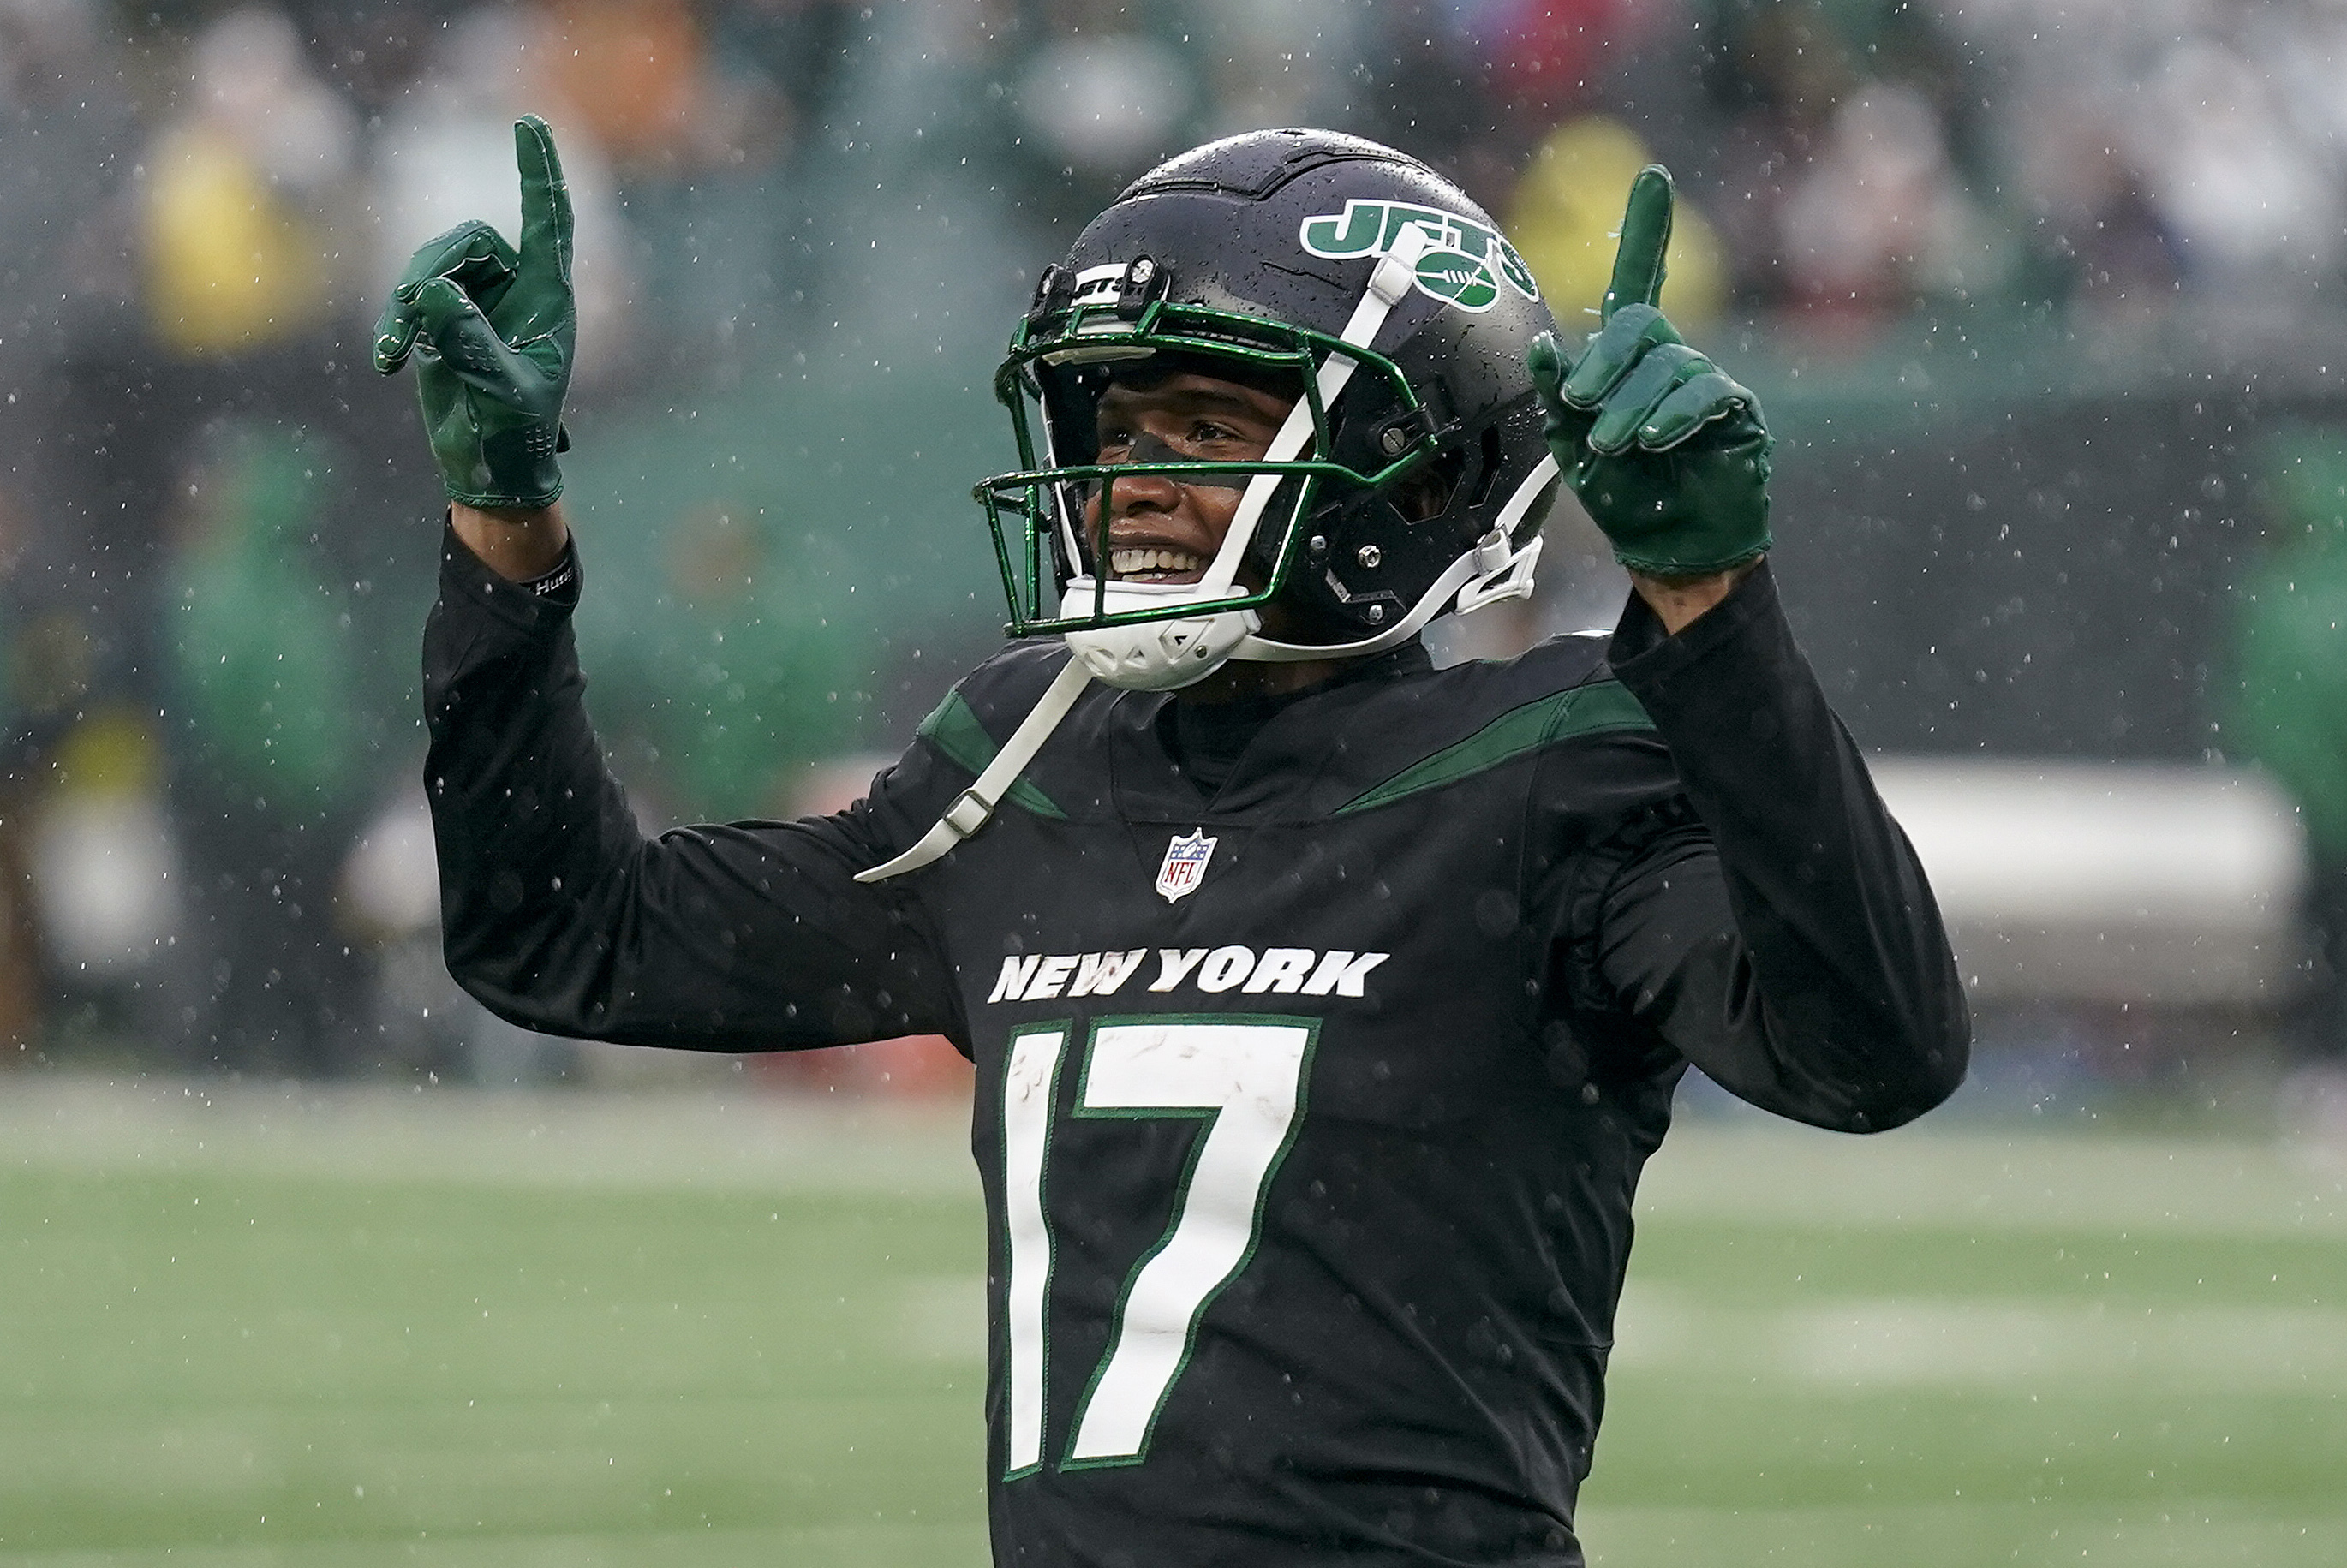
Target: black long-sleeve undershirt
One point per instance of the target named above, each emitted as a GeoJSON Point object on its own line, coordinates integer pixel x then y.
{"type": "Point", "coordinates": [1786, 940]}
{"type": "Point", "coordinates": [1780, 936]}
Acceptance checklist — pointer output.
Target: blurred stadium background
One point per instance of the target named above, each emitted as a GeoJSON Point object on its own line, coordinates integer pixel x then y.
{"type": "Point", "coordinates": [316, 1262]}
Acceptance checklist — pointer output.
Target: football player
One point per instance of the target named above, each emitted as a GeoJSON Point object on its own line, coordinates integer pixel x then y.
{"type": "Point", "coordinates": [1325, 1004]}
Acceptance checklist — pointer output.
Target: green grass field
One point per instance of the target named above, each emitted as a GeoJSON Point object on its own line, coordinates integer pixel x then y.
{"type": "Point", "coordinates": [247, 1328]}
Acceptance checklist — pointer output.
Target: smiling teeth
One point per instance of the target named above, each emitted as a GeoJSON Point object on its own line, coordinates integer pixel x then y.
{"type": "Point", "coordinates": [1135, 560]}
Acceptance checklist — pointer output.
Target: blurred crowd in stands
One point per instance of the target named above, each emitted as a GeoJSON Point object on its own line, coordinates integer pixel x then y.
{"type": "Point", "coordinates": [803, 228]}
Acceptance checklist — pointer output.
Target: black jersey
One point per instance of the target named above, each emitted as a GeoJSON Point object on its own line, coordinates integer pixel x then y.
{"type": "Point", "coordinates": [1308, 1111]}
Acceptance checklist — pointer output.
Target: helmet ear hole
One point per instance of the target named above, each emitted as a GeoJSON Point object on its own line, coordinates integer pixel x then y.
{"type": "Point", "coordinates": [1425, 495]}
{"type": "Point", "coordinates": [1427, 492]}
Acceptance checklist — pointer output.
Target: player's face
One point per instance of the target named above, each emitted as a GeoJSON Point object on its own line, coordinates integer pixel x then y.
{"type": "Point", "coordinates": [1160, 530]}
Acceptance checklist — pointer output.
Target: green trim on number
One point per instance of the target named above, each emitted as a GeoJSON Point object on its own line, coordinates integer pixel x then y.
{"type": "Point", "coordinates": [1599, 708]}
{"type": "Point", "coordinates": [1179, 1210]}
{"type": "Point", "coordinates": [953, 728]}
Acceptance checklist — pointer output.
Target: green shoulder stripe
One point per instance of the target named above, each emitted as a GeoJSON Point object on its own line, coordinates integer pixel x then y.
{"type": "Point", "coordinates": [1595, 709]}
{"type": "Point", "coordinates": [954, 730]}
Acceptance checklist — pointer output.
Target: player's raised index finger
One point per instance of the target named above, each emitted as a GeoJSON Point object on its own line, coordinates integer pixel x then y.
{"type": "Point", "coordinates": [545, 201]}
{"type": "Point", "coordinates": [1646, 236]}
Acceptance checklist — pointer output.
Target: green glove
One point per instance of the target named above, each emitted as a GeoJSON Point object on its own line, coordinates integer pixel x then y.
{"type": "Point", "coordinates": [1667, 454]}
{"type": "Point", "coordinates": [493, 333]}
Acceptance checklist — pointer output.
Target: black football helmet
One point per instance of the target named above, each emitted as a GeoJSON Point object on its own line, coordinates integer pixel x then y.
{"type": "Point", "coordinates": [1411, 478]}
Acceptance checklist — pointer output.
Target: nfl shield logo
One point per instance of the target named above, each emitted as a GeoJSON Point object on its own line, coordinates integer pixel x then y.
{"type": "Point", "coordinates": [1185, 865]}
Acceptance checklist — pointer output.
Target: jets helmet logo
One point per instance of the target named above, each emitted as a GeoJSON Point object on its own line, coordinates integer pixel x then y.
{"type": "Point", "coordinates": [1185, 865]}
{"type": "Point", "coordinates": [1464, 266]}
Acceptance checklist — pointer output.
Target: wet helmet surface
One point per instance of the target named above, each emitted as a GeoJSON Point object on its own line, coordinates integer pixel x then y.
{"type": "Point", "coordinates": [1249, 257]}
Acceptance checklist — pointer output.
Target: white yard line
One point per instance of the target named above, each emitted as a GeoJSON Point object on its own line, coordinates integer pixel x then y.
{"type": "Point", "coordinates": [1992, 1181]}
{"type": "Point", "coordinates": [872, 1545]}
{"type": "Point", "coordinates": [2182, 1531]}
{"type": "Point", "coordinates": [943, 1319]}
{"type": "Point", "coordinates": [746, 1142]}
{"type": "Point", "coordinates": [1859, 1342]}
{"type": "Point", "coordinates": [750, 1140]}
